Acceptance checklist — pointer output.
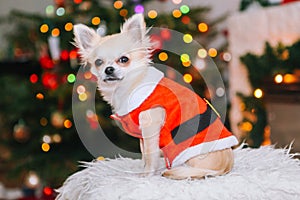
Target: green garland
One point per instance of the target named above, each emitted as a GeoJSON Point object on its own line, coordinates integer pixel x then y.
{"type": "Point", "coordinates": [275, 60]}
{"type": "Point", "coordinates": [280, 59]}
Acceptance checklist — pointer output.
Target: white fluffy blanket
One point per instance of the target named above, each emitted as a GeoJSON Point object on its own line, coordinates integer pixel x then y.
{"type": "Point", "coordinates": [264, 173]}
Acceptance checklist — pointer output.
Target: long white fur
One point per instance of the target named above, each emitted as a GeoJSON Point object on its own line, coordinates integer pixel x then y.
{"type": "Point", "coordinates": [264, 173]}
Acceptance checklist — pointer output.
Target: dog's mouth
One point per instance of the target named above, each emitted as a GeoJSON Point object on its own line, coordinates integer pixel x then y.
{"type": "Point", "coordinates": [111, 78]}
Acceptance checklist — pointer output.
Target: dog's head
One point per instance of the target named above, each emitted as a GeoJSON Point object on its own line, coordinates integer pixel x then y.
{"type": "Point", "coordinates": [113, 56]}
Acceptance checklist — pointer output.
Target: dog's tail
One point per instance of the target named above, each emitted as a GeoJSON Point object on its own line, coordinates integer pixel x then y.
{"type": "Point", "coordinates": [185, 172]}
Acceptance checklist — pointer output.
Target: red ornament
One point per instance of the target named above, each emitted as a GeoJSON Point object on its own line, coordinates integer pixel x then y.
{"type": "Point", "coordinates": [64, 55]}
{"type": "Point", "coordinates": [59, 3]}
{"type": "Point", "coordinates": [48, 191]}
{"type": "Point", "coordinates": [77, 1]}
{"type": "Point", "coordinates": [50, 80]}
{"type": "Point", "coordinates": [46, 62]}
{"type": "Point", "coordinates": [33, 78]}
{"type": "Point", "coordinates": [185, 19]}
{"type": "Point", "coordinates": [73, 54]}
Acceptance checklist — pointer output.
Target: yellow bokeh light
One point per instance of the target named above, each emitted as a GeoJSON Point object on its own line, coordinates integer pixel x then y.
{"type": "Point", "coordinates": [118, 4]}
{"type": "Point", "coordinates": [186, 64]}
{"type": "Point", "coordinates": [100, 158]}
{"type": "Point", "coordinates": [68, 26]}
{"type": "Point", "coordinates": [67, 123]}
{"type": "Point", "coordinates": [124, 12]}
{"type": "Point", "coordinates": [163, 56]}
{"type": "Point", "coordinates": [187, 78]}
{"type": "Point", "coordinates": [176, 13]}
{"type": "Point", "coordinates": [203, 27]}
{"type": "Point", "coordinates": [258, 93]}
{"type": "Point", "coordinates": [246, 126]}
{"type": "Point", "coordinates": [278, 78]}
{"type": "Point", "coordinates": [55, 32]}
{"type": "Point", "coordinates": [202, 53]}
{"type": "Point", "coordinates": [184, 57]}
{"type": "Point", "coordinates": [187, 38]}
{"type": "Point", "coordinates": [45, 147]}
{"type": "Point", "coordinates": [96, 21]}
{"type": "Point", "coordinates": [212, 52]}
{"type": "Point", "coordinates": [82, 97]}
{"type": "Point", "coordinates": [44, 28]}
{"type": "Point", "coordinates": [39, 96]}
{"type": "Point", "coordinates": [289, 78]}
{"type": "Point", "coordinates": [152, 14]}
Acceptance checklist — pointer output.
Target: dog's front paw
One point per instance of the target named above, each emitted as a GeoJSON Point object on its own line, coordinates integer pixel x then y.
{"type": "Point", "coordinates": [145, 174]}
{"type": "Point", "coordinates": [148, 172]}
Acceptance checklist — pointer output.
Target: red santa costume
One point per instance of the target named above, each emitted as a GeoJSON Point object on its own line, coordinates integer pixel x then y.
{"type": "Point", "coordinates": [191, 126]}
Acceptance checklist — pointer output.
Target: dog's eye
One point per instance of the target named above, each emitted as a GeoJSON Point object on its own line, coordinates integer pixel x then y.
{"type": "Point", "coordinates": [98, 62]}
{"type": "Point", "coordinates": [123, 59]}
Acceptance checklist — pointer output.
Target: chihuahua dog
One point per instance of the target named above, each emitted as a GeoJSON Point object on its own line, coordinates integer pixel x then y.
{"type": "Point", "coordinates": [164, 115]}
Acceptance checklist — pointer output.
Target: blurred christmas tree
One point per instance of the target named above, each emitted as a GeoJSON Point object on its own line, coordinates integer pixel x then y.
{"type": "Point", "coordinates": [37, 129]}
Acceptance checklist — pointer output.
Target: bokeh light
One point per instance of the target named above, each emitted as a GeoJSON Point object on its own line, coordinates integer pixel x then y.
{"type": "Point", "coordinates": [67, 123]}
{"type": "Point", "coordinates": [118, 4]}
{"type": "Point", "coordinates": [44, 28]}
{"type": "Point", "coordinates": [139, 8]}
{"type": "Point", "coordinates": [60, 11]}
{"type": "Point", "coordinates": [226, 56]}
{"type": "Point", "coordinates": [49, 10]}
{"type": "Point", "coordinates": [184, 57]}
{"type": "Point", "coordinates": [212, 52]}
{"type": "Point", "coordinates": [55, 32]}
{"type": "Point", "coordinates": [96, 21]}
{"type": "Point", "coordinates": [45, 147]}
{"type": "Point", "coordinates": [43, 121]}
{"type": "Point", "coordinates": [289, 78]}
{"type": "Point", "coordinates": [202, 53]}
{"type": "Point", "coordinates": [46, 139]}
{"type": "Point", "coordinates": [152, 14]}
{"type": "Point", "coordinates": [39, 96]}
{"type": "Point", "coordinates": [187, 78]}
{"type": "Point", "coordinates": [184, 9]}
{"type": "Point", "coordinates": [176, 13]}
{"type": "Point", "coordinates": [258, 93]}
{"type": "Point", "coordinates": [71, 78]}
{"type": "Point", "coordinates": [82, 97]}
{"type": "Point", "coordinates": [176, 1]}
{"type": "Point", "coordinates": [278, 78]}
{"type": "Point", "coordinates": [68, 26]}
{"type": "Point", "coordinates": [33, 78]}
{"type": "Point", "coordinates": [123, 12]}
{"type": "Point", "coordinates": [187, 38]}
{"type": "Point", "coordinates": [163, 56]}
{"type": "Point", "coordinates": [202, 27]}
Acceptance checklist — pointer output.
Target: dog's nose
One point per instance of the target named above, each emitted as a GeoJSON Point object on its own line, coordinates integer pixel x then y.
{"type": "Point", "coordinates": [109, 70]}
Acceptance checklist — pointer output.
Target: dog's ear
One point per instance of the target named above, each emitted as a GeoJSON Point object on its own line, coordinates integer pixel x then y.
{"type": "Point", "coordinates": [84, 36]}
{"type": "Point", "coordinates": [135, 24]}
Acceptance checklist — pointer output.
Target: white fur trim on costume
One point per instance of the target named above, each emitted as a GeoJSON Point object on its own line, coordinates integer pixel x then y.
{"type": "Point", "coordinates": [204, 148]}
{"type": "Point", "coordinates": [131, 94]}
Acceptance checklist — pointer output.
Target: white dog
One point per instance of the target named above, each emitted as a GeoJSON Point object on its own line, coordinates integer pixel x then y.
{"type": "Point", "coordinates": [163, 114]}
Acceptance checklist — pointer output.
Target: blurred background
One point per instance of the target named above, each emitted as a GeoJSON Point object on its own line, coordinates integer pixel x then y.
{"type": "Point", "coordinates": [254, 43]}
